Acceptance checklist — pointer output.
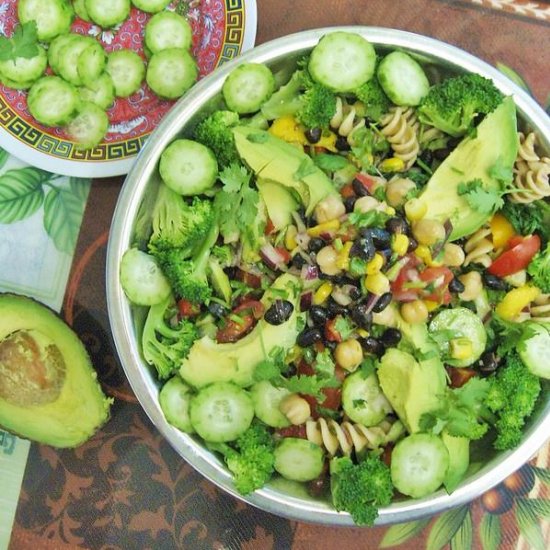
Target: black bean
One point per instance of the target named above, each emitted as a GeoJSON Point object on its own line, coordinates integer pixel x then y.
{"type": "Point", "coordinates": [298, 261]}
{"type": "Point", "coordinates": [386, 253]}
{"type": "Point", "coordinates": [493, 282]}
{"type": "Point", "coordinates": [318, 315]}
{"type": "Point", "coordinates": [488, 362]}
{"type": "Point", "coordinates": [397, 225]}
{"type": "Point", "coordinates": [361, 316]}
{"type": "Point", "coordinates": [218, 310]}
{"type": "Point", "coordinates": [382, 303]}
{"type": "Point", "coordinates": [353, 292]}
{"type": "Point", "coordinates": [370, 344]}
{"type": "Point", "coordinates": [342, 143]}
{"type": "Point", "coordinates": [278, 312]}
{"type": "Point", "coordinates": [363, 248]}
{"type": "Point", "coordinates": [413, 245]}
{"type": "Point", "coordinates": [349, 203]}
{"type": "Point", "coordinates": [330, 344]}
{"type": "Point", "coordinates": [391, 337]}
{"type": "Point", "coordinates": [334, 308]}
{"type": "Point", "coordinates": [456, 286]}
{"type": "Point", "coordinates": [315, 244]}
{"type": "Point", "coordinates": [309, 336]}
{"type": "Point", "coordinates": [313, 135]}
{"type": "Point", "coordinates": [427, 157]}
{"type": "Point", "coordinates": [359, 188]}
{"type": "Point", "coordinates": [380, 237]}
{"type": "Point", "coordinates": [442, 153]}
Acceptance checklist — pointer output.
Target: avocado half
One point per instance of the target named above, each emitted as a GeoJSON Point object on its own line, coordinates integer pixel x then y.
{"type": "Point", "coordinates": [48, 388]}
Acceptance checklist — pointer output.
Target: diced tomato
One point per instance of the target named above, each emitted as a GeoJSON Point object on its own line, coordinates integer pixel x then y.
{"type": "Point", "coordinates": [438, 278]}
{"type": "Point", "coordinates": [248, 313]}
{"type": "Point", "coordinates": [459, 376]}
{"type": "Point", "coordinates": [368, 181]}
{"type": "Point", "coordinates": [284, 253]}
{"type": "Point", "coordinates": [386, 454]}
{"type": "Point", "coordinates": [517, 257]}
{"type": "Point", "coordinates": [408, 274]}
{"type": "Point", "coordinates": [293, 431]}
{"type": "Point", "coordinates": [333, 396]}
{"type": "Point", "coordinates": [269, 227]}
{"type": "Point", "coordinates": [188, 309]}
{"type": "Point", "coordinates": [347, 191]}
{"type": "Point", "coordinates": [331, 332]}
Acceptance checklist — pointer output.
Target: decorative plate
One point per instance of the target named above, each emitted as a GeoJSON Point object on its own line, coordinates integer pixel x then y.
{"type": "Point", "coordinates": [222, 29]}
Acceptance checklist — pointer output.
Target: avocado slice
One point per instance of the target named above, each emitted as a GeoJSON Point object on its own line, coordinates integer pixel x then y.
{"type": "Point", "coordinates": [48, 389]}
{"type": "Point", "coordinates": [459, 460]}
{"type": "Point", "coordinates": [209, 361]}
{"type": "Point", "coordinates": [279, 202]}
{"type": "Point", "coordinates": [494, 144]}
{"type": "Point", "coordinates": [275, 160]}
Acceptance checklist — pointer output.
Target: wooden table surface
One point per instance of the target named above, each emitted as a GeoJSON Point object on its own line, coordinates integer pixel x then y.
{"type": "Point", "coordinates": [127, 489]}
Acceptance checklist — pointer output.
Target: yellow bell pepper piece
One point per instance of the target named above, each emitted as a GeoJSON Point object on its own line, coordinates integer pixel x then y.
{"type": "Point", "coordinates": [502, 230]}
{"type": "Point", "coordinates": [288, 129]}
{"type": "Point", "coordinates": [513, 303]}
{"type": "Point", "coordinates": [328, 141]}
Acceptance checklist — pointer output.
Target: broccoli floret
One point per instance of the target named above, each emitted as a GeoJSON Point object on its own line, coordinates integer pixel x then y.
{"type": "Point", "coordinates": [177, 224]}
{"type": "Point", "coordinates": [215, 132]}
{"type": "Point", "coordinates": [318, 106]}
{"type": "Point", "coordinates": [360, 488]}
{"type": "Point", "coordinates": [224, 254]}
{"type": "Point", "coordinates": [453, 104]}
{"type": "Point", "coordinates": [529, 218]}
{"type": "Point", "coordinates": [539, 269]}
{"type": "Point", "coordinates": [512, 397]}
{"type": "Point", "coordinates": [166, 340]}
{"type": "Point", "coordinates": [375, 100]}
{"type": "Point", "coordinates": [250, 459]}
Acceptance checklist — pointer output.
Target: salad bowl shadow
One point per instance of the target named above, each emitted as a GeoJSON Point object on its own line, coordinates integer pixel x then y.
{"type": "Point", "coordinates": [131, 222]}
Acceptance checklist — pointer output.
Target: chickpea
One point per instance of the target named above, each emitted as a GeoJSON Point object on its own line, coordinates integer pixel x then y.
{"type": "Point", "coordinates": [473, 286]}
{"type": "Point", "coordinates": [330, 208]}
{"type": "Point", "coordinates": [428, 231]}
{"type": "Point", "coordinates": [386, 317]}
{"type": "Point", "coordinates": [295, 408]}
{"type": "Point", "coordinates": [349, 354]}
{"type": "Point", "coordinates": [366, 204]}
{"type": "Point", "coordinates": [453, 255]}
{"type": "Point", "coordinates": [397, 189]}
{"type": "Point", "coordinates": [326, 259]}
{"type": "Point", "coordinates": [414, 312]}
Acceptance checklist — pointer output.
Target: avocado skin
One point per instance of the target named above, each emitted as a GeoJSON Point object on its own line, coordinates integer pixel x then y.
{"type": "Point", "coordinates": [79, 408]}
{"type": "Point", "coordinates": [495, 141]}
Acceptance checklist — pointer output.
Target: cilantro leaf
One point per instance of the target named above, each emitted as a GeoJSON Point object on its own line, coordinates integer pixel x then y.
{"type": "Point", "coordinates": [324, 364]}
{"type": "Point", "coordinates": [368, 219]}
{"type": "Point", "coordinates": [330, 163]}
{"type": "Point", "coordinates": [306, 168]}
{"type": "Point", "coordinates": [310, 385]}
{"type": "Point", "coordinates": [502, 173]}
{"type": "Point", "coordinates": [23, 43]}
{"type": "Point", "coordinates": [260, 137]}
{"type": "Point", "coordinates": [484, 200]}
{"type": "Point", "coordinates": [344, 327]}
{"type": "Point", "coordinates": [6, 49]}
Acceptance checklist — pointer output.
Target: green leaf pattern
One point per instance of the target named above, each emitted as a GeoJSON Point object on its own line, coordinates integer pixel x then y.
{"type": "Point", "coordinates": [463, 538]}
{"type": "Point", "coordinates": [529, 526]}
{"type": "Point", "coordinates": [21, 193]}
{"type": "Point", "coordinates": [3, 157]}
{"type": "Point", "coordinates": [490, 532]}
{"type": "Point", "coordinates": [445, 527]}
{"type": "Point", "coordinates": [402, 532]}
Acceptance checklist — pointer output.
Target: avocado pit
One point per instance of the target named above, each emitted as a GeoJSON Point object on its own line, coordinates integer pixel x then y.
{"type": "Point", "coordinates": [32, 369]}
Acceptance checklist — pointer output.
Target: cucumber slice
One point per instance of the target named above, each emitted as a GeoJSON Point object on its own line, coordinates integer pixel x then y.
{"type": "Point", "coordinates": [79, 7]}
{"type": "Point", "coordinates": [363, 400]}
{"type": "Point", "coordinates": [69, 54]}
{"type": "Point", "coordinates": [402, 78]}
{"type": "Point", "coordinates": [150, 6]}
{"type": "Point", "coordinates": [458, 323]}
{"type": "Point", "coordinates": [101, 92]}
{"type": "Point", "coordinates": [299, 459]}
{"type": "Point", "coordinates": [535, 351]}
{"type": "Point", "coordinates": [52, 101]}
{"type": "Point", "coordinates": [342, 61]}
{"type": "Point", "coordinates": [174, 399]}
{"type": "Point", "coordinates": [56, 46]}
{"type": "Point", "coordinates": [221, 412]}
{"type": "Point", "coordinates": [107, 13]}
{"type": "Point", "coordinates": [188, 167]}
{"type": "Point", "coordinates": [168, 30]}
{"type": "Point", "coordinates": [88, 128]}
{"type": "Point", "coordinates": [91, 63]}
{"type": "Point", "coordinates": [142, 279]}
{"type": "Point", "coordinates": [52, 17]}
{"type": "Point", "coordinates": [170, 73]}
{"type": "Point", "coordinates": [267, 398]}
{"type": "Point", "coordinates": [23, 85]}
{"type": "Point", "coordinates": [25, 69]}
{"type": "Point", "coordinates": [127, 70]}
{"type": "Point", "coordinates": [419, 463]}
{"type": "Point", "coordinates": [247, 87]}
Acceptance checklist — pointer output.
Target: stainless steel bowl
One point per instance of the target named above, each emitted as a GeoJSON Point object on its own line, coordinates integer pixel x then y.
{"type": "Point", "coordinates": [131, 216]}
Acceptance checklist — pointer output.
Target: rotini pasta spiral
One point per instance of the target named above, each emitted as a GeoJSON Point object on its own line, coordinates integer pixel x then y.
{"type": "Point", "coordinates": [346, 437]}
{"type": "Point", "coordinates": [345, 120]}
{"type": "Point", "coordinates": [478, 248]}
{"type": "Point", "coordinates": [400, 127]}
{"type": "Point", "coordinates": [540, 308]}
{"type": "Point", "coordinates": [532, 172]}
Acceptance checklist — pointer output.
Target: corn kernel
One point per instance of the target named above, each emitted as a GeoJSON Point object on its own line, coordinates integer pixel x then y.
{"type": "Point", "coordinates": [290, 237]}
{"type": "Point", "coordinates": [362, 332]}
{"type": "Point", "coordinates": [375, 265]}
{"type": "Point", "coordinates": [461, 348]}
{"type": "Point", "coordinates": [393, 164]}
{"type": "Point", "coordinates": [389, 210]}
{"type": "Point", "coordinates": [322, 293]}
{"type": "Point", "coordinates": [431, 305]}
{"type": "Point", "coordinates": [423, 252]}
{"type": "Point", "coordinates": [342, 261]}
{"type": "Point", "coordinates": [377, 283]}
{"type": "Point", "coordinates": [400, 244]}
{"type": "Point", "coordinates": [326, 227]}
{"type": "Point", "coordinates": [415, 210]}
